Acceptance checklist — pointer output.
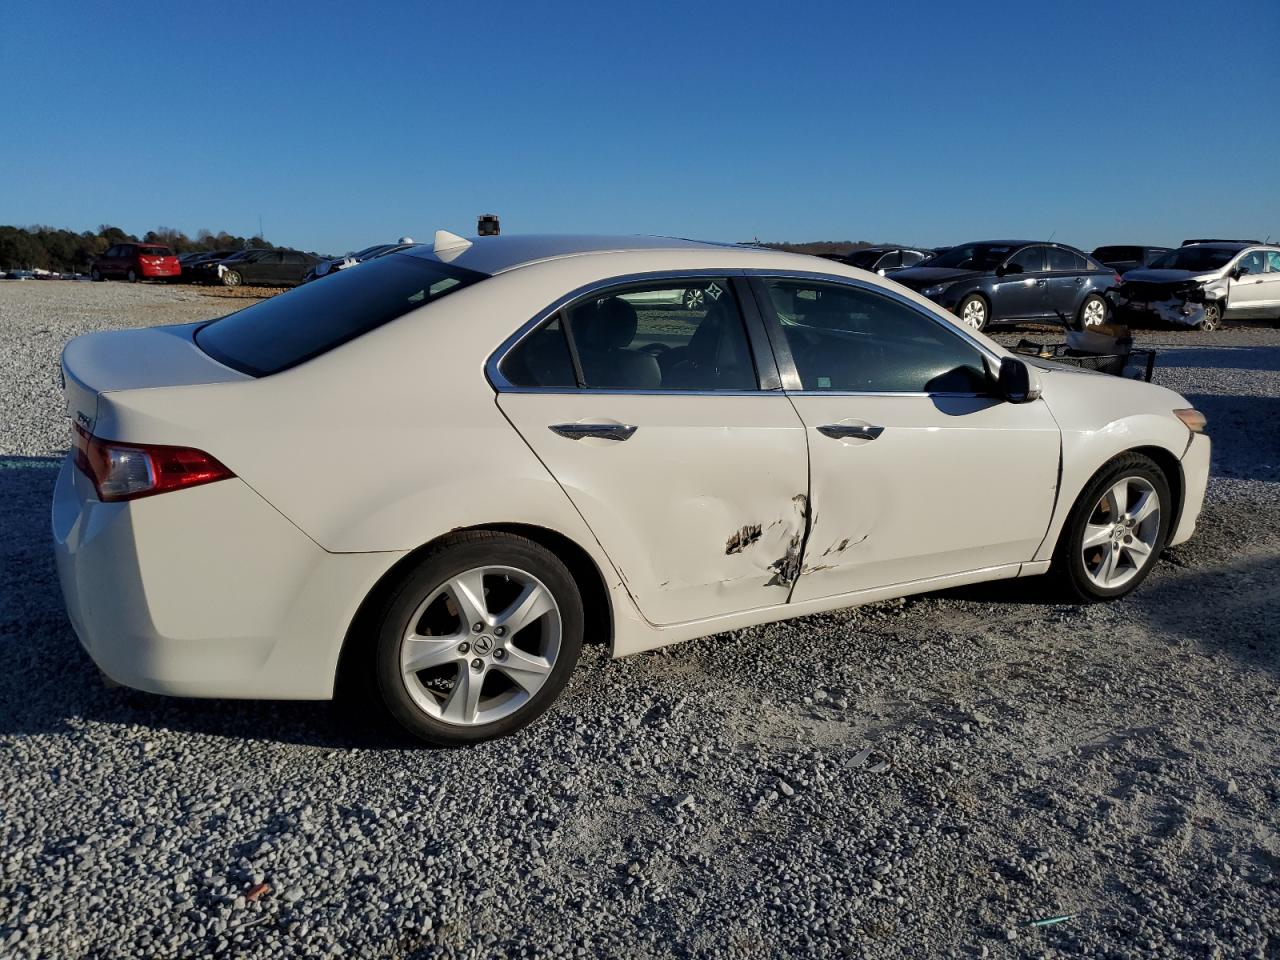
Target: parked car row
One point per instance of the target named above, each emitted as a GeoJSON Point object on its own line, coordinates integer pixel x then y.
{"type": "Point", "coordinates": [231, 268]}
{"type": "Point", "coordinates": [1008, 281]}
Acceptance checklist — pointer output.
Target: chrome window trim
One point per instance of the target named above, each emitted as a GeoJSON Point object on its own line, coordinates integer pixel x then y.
{"type": "Point", "coordinates": [493, 366]}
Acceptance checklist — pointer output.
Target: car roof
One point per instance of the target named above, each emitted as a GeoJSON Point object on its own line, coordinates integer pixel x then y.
{"type": "Point", "coordinates": [1222, 245]}
{"type": "Point", "coordinates": [497, 254]}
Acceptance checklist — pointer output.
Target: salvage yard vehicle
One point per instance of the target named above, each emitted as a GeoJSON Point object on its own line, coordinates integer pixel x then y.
{"type": "Point", "coordinates": [437, 475]}
{"type": "Point", "coordinates": [1125, 257]}
{"type": "Point", "coordinates": [266, 268]}
{"type": "Point", "coordinates": [1200, 284]}
{"type": "Point", "coordinates": [322, 268]}
{"type": "Point", "coordinates": [882, 260]}
{"type": "Point", "coordinates": [1007, 281]}
{"type": "Point", "coordinates": [135, 261]}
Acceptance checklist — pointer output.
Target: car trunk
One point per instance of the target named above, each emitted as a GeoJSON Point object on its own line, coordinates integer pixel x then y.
{"type": "Point", "coordinates": [100, 363]}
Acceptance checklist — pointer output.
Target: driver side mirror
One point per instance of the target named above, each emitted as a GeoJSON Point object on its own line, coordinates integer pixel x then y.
{"type": "Point", "coordinates": [1018, 383]}
{"type": "Point", "coordinates": [1239, 272]}
{"type": "Point", "coordinates": [1007, 268]}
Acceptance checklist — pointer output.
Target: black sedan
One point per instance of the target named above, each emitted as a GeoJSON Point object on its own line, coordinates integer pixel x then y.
{"type": "Point", "coordinates": [1007, 281]}
{"type": "Point", "coordinates": [883, 260]}
{"type": "Point", "coordinates": [265, 268]}
{"type": "Point", "coordinates": [203, 267]}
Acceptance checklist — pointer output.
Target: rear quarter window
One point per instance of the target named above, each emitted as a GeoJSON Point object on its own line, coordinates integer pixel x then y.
{"type": "Point", "coordinates": [313, 319]}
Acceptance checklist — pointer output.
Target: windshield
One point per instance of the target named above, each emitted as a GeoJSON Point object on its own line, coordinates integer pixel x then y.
{"type": "Point", "coordinates": [293, 327]}
{"type": "Point", "coordinates": [1195, 258]}
{"type": "Point", "coordinates": [973, 256]}
{"type": "Point", "coordinates": [863, 259]}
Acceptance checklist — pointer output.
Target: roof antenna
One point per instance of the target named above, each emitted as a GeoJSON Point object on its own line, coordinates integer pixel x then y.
{"type": "Point", "coordinates": [448, 245]}
{"type": "Point", "coordinates": [1051, 236]}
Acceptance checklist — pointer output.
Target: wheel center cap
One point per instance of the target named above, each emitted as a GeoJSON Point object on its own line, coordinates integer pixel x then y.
{"type": "Point", "coordinates": [483, 644]}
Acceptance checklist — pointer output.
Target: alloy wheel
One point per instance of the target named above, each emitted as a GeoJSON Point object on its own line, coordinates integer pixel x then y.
{"type": "Point", "coordinates": [974, 314]}
{"type": "Point", "coordinates": [1095, 313]}
{"type": "Point", "coordinates": [481, 645]}
{"type": "Point", "coordinates": [1120, 535]}
{"type": "Point", "coordinates": [1212, 318]}
{"type": "Point", "coordinates": [694, 298]}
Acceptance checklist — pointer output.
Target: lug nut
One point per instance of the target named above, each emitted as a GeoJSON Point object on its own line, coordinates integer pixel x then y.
{"type": "Point", "coordinates": [477, 664]}
{"type": "Point", "coordinates": [499, 631]}
{"type": "Point", "coordinates": [499, 654]}
{"type": "Point", "coordinates": [477, 627]}
{"type": "Point", "coordinates": [463, 647]}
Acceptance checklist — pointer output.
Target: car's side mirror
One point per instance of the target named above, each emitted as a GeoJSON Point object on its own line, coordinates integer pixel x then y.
{"type": "Point", "coordinates": [1018, 382]}
{"type": "Point", "coordinates": [1239, 272]}
{"type": "Point", "coordinates": [1007, 268]}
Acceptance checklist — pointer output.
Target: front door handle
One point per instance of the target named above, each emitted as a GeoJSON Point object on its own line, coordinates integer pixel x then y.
{"type": "Point", "coordinates": [850, 431]}
{"type": "Point", "coordinates": [602, 431]}
{"type": "Point", "coordinates": [1041, 283]}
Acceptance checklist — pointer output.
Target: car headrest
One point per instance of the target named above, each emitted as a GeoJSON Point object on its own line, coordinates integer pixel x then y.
{"type": "Point", "coordinates": [611, 326]}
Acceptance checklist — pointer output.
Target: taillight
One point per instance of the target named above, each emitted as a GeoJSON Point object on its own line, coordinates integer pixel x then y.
{"type": "Point", "coordinates": [127, 471]}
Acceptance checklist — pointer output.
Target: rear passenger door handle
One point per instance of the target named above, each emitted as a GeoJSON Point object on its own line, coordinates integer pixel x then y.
{"type": "Point", "coordinates": [602, 431]}
{"type": "Point", "coordinates": [849, 431]}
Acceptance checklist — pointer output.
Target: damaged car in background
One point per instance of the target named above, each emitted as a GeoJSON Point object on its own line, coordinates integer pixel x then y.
{"type": "Point", "coordinates": [433, 478]}
{"type": "Point", "coordinates": [1200, 284]}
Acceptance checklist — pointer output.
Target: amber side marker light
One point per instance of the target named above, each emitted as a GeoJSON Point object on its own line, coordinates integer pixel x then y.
{"type": "Point", "coordinates": [1194, 419]}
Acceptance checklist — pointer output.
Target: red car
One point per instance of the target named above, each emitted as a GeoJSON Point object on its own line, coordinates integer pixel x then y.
{"type": "Point", "coordinates": [136, 261]}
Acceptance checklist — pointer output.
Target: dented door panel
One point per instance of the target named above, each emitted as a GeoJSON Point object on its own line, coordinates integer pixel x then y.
{"type": "Point", "coordinates": [950, 484]}
{"type": "Point", "coordinates": [701, 509]}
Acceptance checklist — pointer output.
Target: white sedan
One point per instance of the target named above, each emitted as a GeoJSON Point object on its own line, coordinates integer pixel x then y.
{"type": "Point", "coordinates": [441, 473]}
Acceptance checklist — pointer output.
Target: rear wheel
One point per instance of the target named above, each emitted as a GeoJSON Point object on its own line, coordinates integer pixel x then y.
{"type": "Point", "coordinates": [94, 275]}
{"type": "Point", "coordinates": [974, 312]}
{"type": "Point", "coordinates": [477, 640]}
{"type": "Point", "coordinates": [231, 278]}
{"type": "Point", "coordinates": [694, 298]}
{"type": "Point", "coordinates": [1212, 319]}
{"type": "Point", "coordinates": [1115, 531]}
{"type": "Point", "coordinates": [1093, 312]}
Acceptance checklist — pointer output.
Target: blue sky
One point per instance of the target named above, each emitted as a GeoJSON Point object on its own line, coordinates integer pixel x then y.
{"type": "Point", "coordinates": [343, 124]}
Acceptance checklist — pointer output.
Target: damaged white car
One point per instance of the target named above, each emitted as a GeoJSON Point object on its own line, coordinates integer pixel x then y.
{"type": "Point", "coordinates": [1200, 284]}
{"type": "Point", "coordinates": [444, 472]}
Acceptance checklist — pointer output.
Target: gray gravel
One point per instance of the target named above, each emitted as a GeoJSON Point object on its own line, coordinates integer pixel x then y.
{"type": "Point", "coordinates": [917, 778]}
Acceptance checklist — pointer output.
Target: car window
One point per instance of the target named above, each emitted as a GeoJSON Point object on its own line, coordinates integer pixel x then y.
{"type": "Point", "coordinates": [1252, 262]}
{"type": "Point", "coordinates": [314, 318]}
{"type": "Point", "coordinates": [851, 339]}
{"type": "Point", "coordinates": [1064, 261]}
{"type": "Point", "coordinates": [1153, 255]}
{"type": "Point", "coordinates": [1273, 261]}
{"type": "Point", "coordinates": [889, 261]}
{"type": "Point", "coordinates": [910, 258]}
{"type": "Point", "coordinates": [1031, 259]}
{"type": "Point", "coordinates": [292, 256]}
{"type": "Point", "coordinates": [674, 335]}
{"type": "Point", "coordinates": [541, 359]}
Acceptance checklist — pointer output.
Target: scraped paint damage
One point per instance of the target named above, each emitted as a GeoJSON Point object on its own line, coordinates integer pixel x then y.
{"type": "Point", "coordinates": [741, 539]}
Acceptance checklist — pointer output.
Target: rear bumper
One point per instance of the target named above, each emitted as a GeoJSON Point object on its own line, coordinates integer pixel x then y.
{"type": "Point", "coordinates": [207, 592]}
{"type": "Point", "coordinates": [161, 271]}
{"type": "Point", "coordinates": [1195, 480]}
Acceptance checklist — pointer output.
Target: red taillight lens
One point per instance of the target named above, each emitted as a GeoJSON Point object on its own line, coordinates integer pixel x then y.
{"type": "Point", "coordinates": [127, 471]}
{"type": "Point", "coordinates": [1117, 279]}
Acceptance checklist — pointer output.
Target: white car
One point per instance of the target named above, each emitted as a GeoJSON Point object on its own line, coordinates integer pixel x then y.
{"type": "Point", "coordinates": [445, 471]}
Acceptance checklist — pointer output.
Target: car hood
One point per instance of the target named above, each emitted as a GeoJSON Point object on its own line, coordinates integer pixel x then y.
{"type": "Point", "coordinates": [917, 278]}
{"type": "Point", "coordinates": [1093, 399]}
{"type": "Point", "coordinates": [1168, 276]}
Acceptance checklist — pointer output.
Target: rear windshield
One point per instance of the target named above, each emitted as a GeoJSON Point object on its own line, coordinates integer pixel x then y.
{"type": "Point", "coordinates": [155, 251]}
{"type": "Point", "coordinates": [1117, 253]}
{"type": "Point", "coordinates": [974, 256]}
{"type": "Point", "coordinates": [293, 327]}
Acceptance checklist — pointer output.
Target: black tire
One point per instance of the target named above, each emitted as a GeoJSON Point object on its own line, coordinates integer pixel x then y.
{"type": "Point", "coordinates": [459, 553]}
{"type": "Point", "coordinates": [1084, 309]}
{"type": "Point", "coordinates": [1212, 318]}
{"type": "Point", "coordinates": [1068, 567]}
{"type": "Point", "coordinates": [967, 303]}
{"type": "Point", "coordinates": [95, 276]}
{"type": "Point", "coordinates": [131, 276]}
{"type": "Point", "coordinates": [231, 278]}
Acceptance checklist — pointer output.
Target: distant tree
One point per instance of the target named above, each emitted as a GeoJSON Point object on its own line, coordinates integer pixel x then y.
{"type": "Point", "coordinates": [51, 248]}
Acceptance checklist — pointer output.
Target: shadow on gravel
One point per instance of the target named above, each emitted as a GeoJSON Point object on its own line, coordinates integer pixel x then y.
{"type": "Point", "coordinates": [47, 682]}
{"type": "Point", "coordinates": [1219, 358]}
{"type": "Point", "coordinates": [1245, 433]}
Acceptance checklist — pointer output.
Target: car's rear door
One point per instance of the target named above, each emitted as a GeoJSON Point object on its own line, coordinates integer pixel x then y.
{"type": "Point", "coordinates": [917, 469]}
{"type": "Point", "coordinates": [666, 427]}
{"type": "Point", "coordinates": [1069, 276]}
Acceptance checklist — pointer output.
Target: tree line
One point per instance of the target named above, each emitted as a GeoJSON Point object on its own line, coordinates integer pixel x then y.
{"type": "Point", "coordinates": [65, 251]}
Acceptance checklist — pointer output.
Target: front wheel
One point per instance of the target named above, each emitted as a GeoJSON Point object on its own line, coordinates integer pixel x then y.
{"type": "Point", "coordinates": [1212, 319]}
{"type": "Point", "coordinates": [1093, 312]}
{"type": "Point", "coordinates": [974, 312]}
{"type": "Point", "coordinates": [478, 640]}
{"type": "Point", "coordinates": [1115, 531]}
{"type": "Point", "coordinates": [694, 298]}
{"type": "Point", "coordinates": [95, 276]}
{"type": "Point", "coordinates": [231, 278]}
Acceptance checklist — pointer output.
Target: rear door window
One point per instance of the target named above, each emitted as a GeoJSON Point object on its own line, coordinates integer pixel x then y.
{"type": "Point", "coordinates": [312, 319]}
{"type": "Point", "coordinates": [1065, 261]}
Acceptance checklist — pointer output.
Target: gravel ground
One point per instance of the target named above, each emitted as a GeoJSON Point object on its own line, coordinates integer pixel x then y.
{"type": "Point", "coordinates": [919, 778]}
